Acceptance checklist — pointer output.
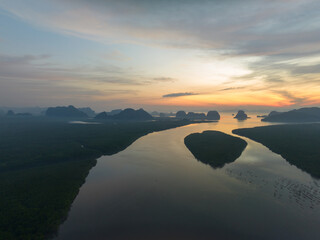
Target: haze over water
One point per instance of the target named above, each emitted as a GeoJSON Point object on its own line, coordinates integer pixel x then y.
{"type": "Point", "coordinates": [156, 189]}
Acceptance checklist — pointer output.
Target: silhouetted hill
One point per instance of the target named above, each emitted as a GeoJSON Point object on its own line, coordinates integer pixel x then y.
{"type": "Point", "coordinates": [35, 111]}
{"type": "Point", "coordinates": [11, 113]}
{"type": "Point", "coordinates": [181, 114]}
{"type": "Point", "coordinates": [198, 116]}
{"type": "Point", "coordinates": [131, 114]}
{"type": "Point", "coordinates": [297, 143]}
{"type": "Point", "coordinates": [102, 115]}
{"type": "Point", "coordinates": [88, 111]}
{"type": "Point", "coordinates": [296, 115]}
{"type": "Point", "coordinates": [114, 112]}
{"type": "Point", "coordinates": [166, 115]}
{"type": "Point", "coordinates": [108, 115]}
{"type": "Point", "coordinates": [272, 113]}
{"type": "Point", "coordinates": [241, 115]}
{"type": "Point", "coordinates": [215, 148]}
{"type": "Point", "coordinates": [213, 115]}
{"type": "Point", "coordinates": [69, 111]}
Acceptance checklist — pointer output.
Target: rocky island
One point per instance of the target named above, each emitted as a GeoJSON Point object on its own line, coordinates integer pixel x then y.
{"type": "Point", "coordinates": [241, 115]}
{"type": "Point", "coordinates": [65, 112]}
{"type": "Point", "coordinates": [128, 114]}
{"type": "Point", "coordinates": [211, 115]}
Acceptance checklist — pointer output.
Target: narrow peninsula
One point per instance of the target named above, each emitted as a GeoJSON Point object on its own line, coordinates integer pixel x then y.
{"type": "Point", "coordinates": [215, 148]}
{"type": "Point", "coordinates": [297, 143]}
{"type": "Point", "coordinates": [302, 115]}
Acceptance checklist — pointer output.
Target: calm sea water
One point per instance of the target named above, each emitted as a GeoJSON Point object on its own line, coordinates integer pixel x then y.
{"type": "Point", "coordinates": [156, 189]}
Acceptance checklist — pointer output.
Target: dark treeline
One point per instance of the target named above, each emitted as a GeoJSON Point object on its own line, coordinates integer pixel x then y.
{"type": "Point", "coordinates": [43, 163]}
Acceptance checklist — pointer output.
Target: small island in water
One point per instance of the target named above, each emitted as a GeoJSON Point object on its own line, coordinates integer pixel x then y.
{"type": "Point", "coordinates": [215, 148]}
{"type": "Point", "coordinates": [297, 143]}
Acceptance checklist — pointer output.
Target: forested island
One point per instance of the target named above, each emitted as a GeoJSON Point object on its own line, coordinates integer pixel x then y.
{"type": "Point", "coordinates": [44, 162]}
{"type": "Point", "coordinates": [297, 143]}
{"type": "Point", "coordinates": [215, 148]}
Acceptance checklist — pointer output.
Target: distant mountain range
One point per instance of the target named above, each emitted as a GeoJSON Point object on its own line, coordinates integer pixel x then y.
{"type": "Point", "coordinates": [311, 114]}
{"type": "Point", "coordinates": [297, 115]}
{"type": "Point", "coordinates": [88, 111]}
{"type": "Point", "coordinates": [73, 112]}
{"type": "Point", "coordinates": [211, 115]}
{"type": "Point", "coordinates": [35, 111]}
{"type": "Point", "coordinates": [69, 111]}
{"type": "Point", "coordinates": [126, 114]}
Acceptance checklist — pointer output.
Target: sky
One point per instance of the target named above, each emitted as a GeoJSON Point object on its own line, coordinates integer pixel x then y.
{"type": "Point", "coordinates": [161, 55]}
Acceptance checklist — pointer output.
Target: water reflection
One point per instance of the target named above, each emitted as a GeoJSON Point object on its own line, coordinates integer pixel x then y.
{"type": "Point", "coordinates": [83, 122]}
{"type": "Point", "coordinates": [304, 195]}
{"type": "Point", "coordinates": [156, 189]}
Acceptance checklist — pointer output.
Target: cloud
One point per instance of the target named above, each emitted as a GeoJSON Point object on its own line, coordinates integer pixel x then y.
{"type": "Point", "coordinates": [164, 79]}
{"type": "Point", "coordinates": [231, 88]}
{"type": "Point", "coordinates": [24, 59]}
{"type": "Point", "coordinates": [278, 35]}
{"type": "Point", "coordinates": [311, 69]}
{"type": "Point", "coordinates": [172, 95]}
{"type": "Point", "coordinates": [269, 29]}
{"type": "Point", "coordinates": [231, 27]}
{"type": "Point", "coordinates": [40, 68]}
{"type": "Point", "coordinates": [36, 79]}
{"type": "Point", "coordinates": [116, 55]}
{"type": "Point", "coordinates": [293, 99]}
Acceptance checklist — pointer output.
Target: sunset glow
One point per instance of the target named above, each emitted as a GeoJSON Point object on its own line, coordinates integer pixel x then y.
{"type": "Point", "coordinates": [159, 55]}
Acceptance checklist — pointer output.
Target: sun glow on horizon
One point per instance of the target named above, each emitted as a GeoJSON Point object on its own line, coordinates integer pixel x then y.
{"type": "Point", "coordinates": [117, 55]}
